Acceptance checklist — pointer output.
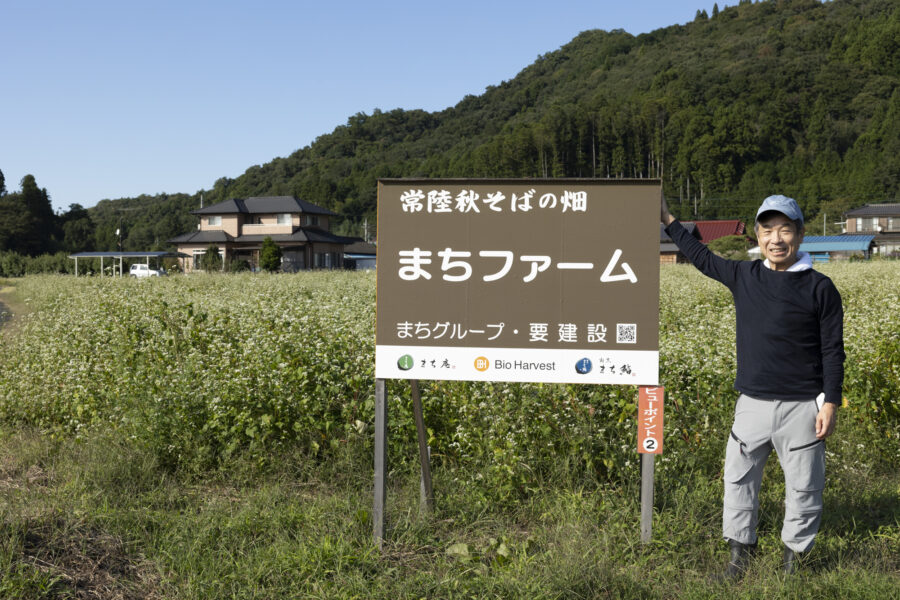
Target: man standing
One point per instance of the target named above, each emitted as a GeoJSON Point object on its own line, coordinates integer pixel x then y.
{"type": "Point", "coordinates": [790, 356]}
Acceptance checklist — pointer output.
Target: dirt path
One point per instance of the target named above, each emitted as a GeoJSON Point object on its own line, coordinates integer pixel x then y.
{"type": "Point", "coordinates": [5, 315]}
{"type": "Point", "coordinates": [10, 309]}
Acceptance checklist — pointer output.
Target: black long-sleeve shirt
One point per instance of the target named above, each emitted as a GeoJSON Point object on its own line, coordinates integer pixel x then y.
{"type": "Point", "coordinates": [790, 325]}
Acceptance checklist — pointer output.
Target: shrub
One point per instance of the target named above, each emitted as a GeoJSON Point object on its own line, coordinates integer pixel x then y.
{"type": "Point", "coordinates": [211, 260]}
{"type": "Point", "coordinates": [270, 255]}
{"type": "Point", "coordinates": [237, 266]}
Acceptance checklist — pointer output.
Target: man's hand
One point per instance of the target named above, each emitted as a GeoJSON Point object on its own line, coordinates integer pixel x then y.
{"type": "Point", "coordinates": [664, 215]}
{"type": "Point", "coordinates": [826, 420]}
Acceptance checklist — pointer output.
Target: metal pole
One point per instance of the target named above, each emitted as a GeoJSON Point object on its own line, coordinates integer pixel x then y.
{"type": "Point", "coordinates": [381, 415]}
{"type": "Point", "coordinates": [428, 495]}
{"type": "Point", "coordinates": [647, 466]}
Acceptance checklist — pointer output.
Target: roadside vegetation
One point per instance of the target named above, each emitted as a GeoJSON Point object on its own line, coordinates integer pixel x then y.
{"type": "Point", "coordinates": [210, 436]}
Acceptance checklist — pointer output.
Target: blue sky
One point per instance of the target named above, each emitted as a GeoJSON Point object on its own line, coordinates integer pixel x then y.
{"type": "Point", "coordinates": [110, 99]}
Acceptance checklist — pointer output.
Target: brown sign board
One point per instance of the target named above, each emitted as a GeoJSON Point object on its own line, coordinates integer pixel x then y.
{"type": "Point", "coordinates": [542, 280]}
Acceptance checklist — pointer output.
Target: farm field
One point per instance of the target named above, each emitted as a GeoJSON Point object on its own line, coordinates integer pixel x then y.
{"type": "Point", "coordinates": [210, 437]}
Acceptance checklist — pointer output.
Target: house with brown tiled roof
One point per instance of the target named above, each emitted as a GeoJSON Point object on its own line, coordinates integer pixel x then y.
{"type": "Point", "coordinates": [238, 227]}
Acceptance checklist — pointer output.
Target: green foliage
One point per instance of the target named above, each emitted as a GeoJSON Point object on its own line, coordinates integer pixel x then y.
{"type": "Point", "coordinates": [99, 517]}
{"type": "Point", "coordinates": [27, 222]}
{"type": "Point", "coordinates": [800, 98]}
{"type": "Point", "coordinates": [146, 222]}
{"type": "Point", "coordinates": [237, 266]}
{"type": "Point", "coordinates": [17, 265]}
{"type": "Point", "coordinates": [12, 264]}
{"type": "Point", "coordinates": [206, 370]}
{"type": "Point", "coordinates": [270, 255]}
{"type": "Point", "coordinates": [212, 260]}
{"type": "Point", "coordinates": [731, 246]}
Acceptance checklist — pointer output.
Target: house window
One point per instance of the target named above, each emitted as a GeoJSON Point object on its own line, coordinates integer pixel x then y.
{"type": "Point", "coordinates": [214, 221]}
{"type": "Point", "coordinates": [254, 220]}
{"type": "Point", "coordinates": [312, 220]}
{"type": "Point", "coordinates": [867, 224]}
{"type": "Point", "coordinates": [283, 219]}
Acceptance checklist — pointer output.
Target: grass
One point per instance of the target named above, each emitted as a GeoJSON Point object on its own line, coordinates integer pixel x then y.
{"type": "Point", "coordinates": [92, 504]}
{"type": "Point", "coordinates": [98, 518]}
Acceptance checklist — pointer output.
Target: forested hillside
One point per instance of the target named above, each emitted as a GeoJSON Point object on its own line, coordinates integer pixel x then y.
{"type": "Point", "coordinates": [790, 96]}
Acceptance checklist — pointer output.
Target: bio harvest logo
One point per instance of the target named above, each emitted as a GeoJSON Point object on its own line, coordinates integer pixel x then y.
{"type": "Point", "coordinates": [482, 364]}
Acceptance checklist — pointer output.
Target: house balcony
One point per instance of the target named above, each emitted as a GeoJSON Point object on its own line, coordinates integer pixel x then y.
{"type": "Point", "coordinates": [267, 229]}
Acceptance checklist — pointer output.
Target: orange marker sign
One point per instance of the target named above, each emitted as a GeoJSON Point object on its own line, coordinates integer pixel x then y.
{"type": "Point", "coordinates": [650, 420]}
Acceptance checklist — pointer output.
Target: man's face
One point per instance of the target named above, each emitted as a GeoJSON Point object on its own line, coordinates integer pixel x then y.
{"type": "Point", "coordinates": [779, 240]}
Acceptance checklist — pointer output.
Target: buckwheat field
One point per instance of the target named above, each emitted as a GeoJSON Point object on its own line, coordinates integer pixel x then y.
{"type": "Point", "coordinates": [254, 378]}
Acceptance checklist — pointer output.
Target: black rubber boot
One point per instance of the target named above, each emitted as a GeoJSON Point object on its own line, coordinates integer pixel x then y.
{"type": "Point", "coordinates": [791, 560]}
{"type": "Point", "coordinates": [737, 562]}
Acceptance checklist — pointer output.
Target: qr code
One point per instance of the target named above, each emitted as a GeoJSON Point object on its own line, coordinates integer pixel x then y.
{"type": "Point", "coordinates": [626, 333]}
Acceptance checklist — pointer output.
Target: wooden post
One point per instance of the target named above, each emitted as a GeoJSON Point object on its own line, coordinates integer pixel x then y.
{"type": "Point", "coordinates": [381, 416]}
{"type": "Point", "coordinates": [423, 493]}
{"type": "Point", "coordinates": [647, 467]}
{"type": "Point", "coordinates": [428, 495]}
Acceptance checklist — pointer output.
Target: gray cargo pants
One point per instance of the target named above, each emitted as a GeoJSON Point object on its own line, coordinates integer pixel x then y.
{"type": "Point", "coordinates": [788, 427]}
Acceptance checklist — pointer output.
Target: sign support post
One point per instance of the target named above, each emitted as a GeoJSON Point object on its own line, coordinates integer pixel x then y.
{"type": "Point", "coordinates": [650, 443]}
{"type": "Point", "coordinates": [381, 415]}
{"type": "Point", "coordinates": [427, 489]}
{"type": "Point", "coordinates": [648, 463]}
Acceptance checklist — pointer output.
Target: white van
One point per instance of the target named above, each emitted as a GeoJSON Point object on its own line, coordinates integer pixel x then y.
{"type": "Point", "coordinates": [145, 271]}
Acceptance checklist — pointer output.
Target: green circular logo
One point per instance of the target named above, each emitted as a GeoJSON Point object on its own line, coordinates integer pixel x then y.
{"type": "Point", "coordinates": [405, 363]}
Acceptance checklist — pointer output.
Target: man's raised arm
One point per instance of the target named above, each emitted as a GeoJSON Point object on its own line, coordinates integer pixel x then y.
{"type": "Point", "coordinates": [665, 216]}
{"type": "Point", "coordinates": [702, 257]}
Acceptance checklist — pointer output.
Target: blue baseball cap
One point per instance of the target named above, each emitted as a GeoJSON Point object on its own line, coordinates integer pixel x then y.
{"type": "Point", "coordinates": [786, 206]}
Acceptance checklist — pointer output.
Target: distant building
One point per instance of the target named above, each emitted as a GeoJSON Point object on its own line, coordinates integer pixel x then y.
{"type": "Point", "coordinates": [360, 255]}
{"type": "Point", "coordinates": [880, 220]}
{"type": "Point", "coordinates": [669, 253]}
{"type": "Point", "coordinates": [825, 248]}
{"type": "Point", "coordinates": [238, 227]}
{"type": "Point", "coordinates": [705, 231]}
{"type": "Point", "coordinates": [713, 230]}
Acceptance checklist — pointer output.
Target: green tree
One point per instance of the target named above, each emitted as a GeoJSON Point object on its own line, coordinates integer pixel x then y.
{"type": "Point", "coordinates": [77, 229]}
{"type": "Point", "coordinates": [791, 97]}
{"type": "Point", "coordinates": [731, 246]}
{"type": "Point", "coordinates": [270, 255]}
{"type": "Point", "coordinates": [27, 222]}
{"type": "Point", "coordinates": [212, 260]}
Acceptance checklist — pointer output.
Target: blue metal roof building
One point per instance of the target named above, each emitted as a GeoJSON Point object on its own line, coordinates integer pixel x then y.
{"type": "Point", "coordinates": [822, 247]}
